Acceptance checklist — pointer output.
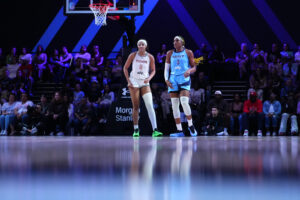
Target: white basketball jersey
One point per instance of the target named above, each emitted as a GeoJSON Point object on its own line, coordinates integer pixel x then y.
{"type": "Point", "coordinates": [140, 66]}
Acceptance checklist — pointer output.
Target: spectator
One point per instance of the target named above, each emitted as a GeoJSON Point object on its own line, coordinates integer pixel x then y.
{"type": "Point", "coordinates": [53, 65]}
{"type": "Point", "coordinates": [25, 58]}
{"type": "Point", "coordinates": [259, 76]}
{"type": "Point", "coordinates": [257, 58]}
{"type": "Point", "coordinates": [161, 56]}
{"type": "Point", "coordinates": [257, 90]}
{"type": "Point", "coordinates": [81, 116]}
{"type": "Point", "coordinates": [297, 56]}
{"type": "Point", "coordinates": [253, 113]}
{"type": "Point", "coordinates": [242, 59]}
{"type": "Point", "coordinates": [214, 123]}
{"type": "Point", "coordinates": [70, 106]}
{"type": "Point", "coordinates": [289, 110]}
{"type": "Point", "coordinates": [272, 110]}
{"type": "Point", "coordinates": [117, 70]}
{"type": "Point", "coordinates": [108, 97]}
{"type": "Point", "coordinates": [287, 88]}
{"type": "Point", "coordinates": [25, 71]}
{"type": "Point", "coordinates": [222, 106]}
{"type": "Point", "coordinates": [94, 91]}
{"type": "Point", "coordinates": [64, 63]}
{"type": "Point", "coordinates": [7, 115]}
{"type": "Point", "coordinates": [82, 60]}
{"type": "Point", "coordinates": [98, 57]}
{"type": "Point", "coordinates": [78, 94]}
{"type": "Point", "coordinates": [58, 115]}
{"type": "Point", "coordinates": [216, 55]}
{"type": "Point", "coordinates": [2, 63]}
{"type": "Point", "coordinates": [40, 61]}
{"type": "Point", "coordinates": [202, 52]}
{"type": "Point", "coordinates": [275, 66]}
{"type": "Point", "coordinates": [286, 54]}
{"type": "Point", "coordinates": [21, 109]}
{"type": "Point", "coordinates": [274, 55]}
{"type": "Point", "coordinates": [236, 112]}
{"type": "Point", "coordinates": [12, 63]}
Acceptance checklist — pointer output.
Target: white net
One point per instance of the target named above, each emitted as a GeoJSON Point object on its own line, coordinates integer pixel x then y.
{"type": "Point", "coordinates": [100, 11]}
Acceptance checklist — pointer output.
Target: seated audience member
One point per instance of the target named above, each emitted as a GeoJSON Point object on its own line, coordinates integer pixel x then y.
{"type": "Point", "coordinates": [161, 56]}
{"type": "Point", "coordinates": [21, 109]}
{"type": "Point", "coordinates": [242, 59]}
{"type": "Point", "coordinates": [94, 90]}
{"type": "Point", "coordinates": [236, 112]}
{"type": "Point", "coordinates": [286, 54]}
{"type": "Point", "coordinates": [58, 115]}
{"type": "Point", "coordinates": [271, 110]}
{"type": "Point", "coordinates": [117, 70]}
{"type": "Point", "coordinates": [275, 66]}
{"type": "Point", "coordinates": [289, 111]}
{"type": "Point", "coordinates": [64, 63]}
{"type": "Point", "coordinates": [40, 62]}
{"type": "Point", "coordinates": [7, 115]}
{"type": "Point", "coordinates": [259, 92]}
{"type": "Point", "coordinates": [259, 76]}
{"type": "Point", "coordinates": [25, 58]}
{"type": "Point", "coordinates": [297, 56]}
{"type": "Point", "coordinates": [25, 72]}
{"type": "Point", "coordinates": [257, 58]}
{"type": "Point", "coordinates": [216, 55]}
{"type": "Point", "coordinates": [253, 113]}
{"type": "Point", "coordinates": [287, 88]}
{"type": "Point", "coordinates": [12, 63]}
{"type": "Point", "coordinates": [82, 60]}
{"type": "Point", "coordinates": [274, 55]}
{"type": "Point", "coordinates": [214, 123]}
{"type": "Point", "coordinates": [107, 98]}
{"type": "Point", "coordinates": [98, 61]}
{"type": "Point", "coordinates": [78, 94]}
{"type": "Point", "coordinates": [81, 117]}
{"type": "Point", "coordinates": [222, 106]}
{"type": "Point", "coordinates": [70, 106]}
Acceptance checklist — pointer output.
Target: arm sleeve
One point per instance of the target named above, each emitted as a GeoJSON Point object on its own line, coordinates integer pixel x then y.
{"type": "Point", "coordinates": [166, 73]}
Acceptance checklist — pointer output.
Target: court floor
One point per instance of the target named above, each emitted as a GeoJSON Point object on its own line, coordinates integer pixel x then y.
{"type": "Point", "coordinates": [149, 168]}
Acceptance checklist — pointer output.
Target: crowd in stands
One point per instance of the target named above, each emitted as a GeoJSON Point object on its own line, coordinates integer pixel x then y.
{"type": "Point", "coordinates": [90, 81]}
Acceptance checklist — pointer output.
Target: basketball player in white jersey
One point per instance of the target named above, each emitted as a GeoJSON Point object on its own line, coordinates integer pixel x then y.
{"type": "Point", "coordinates": [181, 62]}
{"type": "Point", "coordinates": [138, 84]}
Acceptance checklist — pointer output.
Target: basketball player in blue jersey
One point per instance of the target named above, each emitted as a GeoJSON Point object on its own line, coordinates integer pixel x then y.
{"type": "Point", "coordinates": [181, 62]}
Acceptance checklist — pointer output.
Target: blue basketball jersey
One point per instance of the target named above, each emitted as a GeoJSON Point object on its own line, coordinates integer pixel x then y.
{"type": "Point", "coordinates": [179, 62]}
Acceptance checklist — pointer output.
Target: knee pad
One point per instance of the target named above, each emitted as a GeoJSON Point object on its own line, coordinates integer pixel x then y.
{"type": "Point", "coordinates": [175, 107]}
{"type": "Point", "coordinates": [185, 105]}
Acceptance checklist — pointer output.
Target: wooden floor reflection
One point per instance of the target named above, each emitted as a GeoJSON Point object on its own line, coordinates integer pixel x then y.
{"type": "Point", "coordinates": [163, 168]}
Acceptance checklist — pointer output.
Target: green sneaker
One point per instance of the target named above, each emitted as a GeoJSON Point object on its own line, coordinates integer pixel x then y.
{"type": "Point", "coordinates": [136, 133]}
{"type": "Point", "coordinates": [157, 133]}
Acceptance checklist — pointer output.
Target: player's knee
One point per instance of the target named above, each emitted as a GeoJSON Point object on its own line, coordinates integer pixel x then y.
{"type": "Point", "coordinates": [185, 105]}
{"type": "Point", "coordinates": [175, 107]}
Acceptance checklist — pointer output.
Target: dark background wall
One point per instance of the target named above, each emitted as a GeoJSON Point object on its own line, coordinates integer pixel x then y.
{"type": "Point", "coordinates": [23, 23]}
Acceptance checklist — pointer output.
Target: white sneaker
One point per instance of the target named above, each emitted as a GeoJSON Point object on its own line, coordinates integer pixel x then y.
{"type": "Point", "coordinates": [1, 133]}
{"type": "Point", "coordinates": [60, 133]}
{"type": "Point", "coordinates": [246, 132]}
{"type": "Point", "coordinates": [274, 133]}
{"type": "Point", "coordinates": [220, 133]}
{"type": "Point", "coordinates": [259, 133]}
{"type": "Point", "coordinates": [4, 132]}
{"type": "Point", "coordinates": [225, 133]}
{"type": "Point", "coordinates": [268, 133]}
{"type": "Point", "coordinates": [34, 131]}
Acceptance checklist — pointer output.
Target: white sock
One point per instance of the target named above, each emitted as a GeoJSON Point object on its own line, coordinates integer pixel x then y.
{"type": "Point", "coordinates": [149, 106]}
{"type": "Point", "coordinates": [179, 127]}
{"type": "Point", "coordinates": [190, 122]}
{"type": "Point", "coordinates": [225, 129]}
{"type": "Point", "coordinates": [135, 127]}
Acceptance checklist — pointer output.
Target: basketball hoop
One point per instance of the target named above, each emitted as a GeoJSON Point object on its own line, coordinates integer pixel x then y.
{"type": "Point", "coordinates": [100, 10]}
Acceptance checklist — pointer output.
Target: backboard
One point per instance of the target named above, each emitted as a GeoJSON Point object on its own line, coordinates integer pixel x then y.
{"type": "Point", "coordinates": [120, 7]}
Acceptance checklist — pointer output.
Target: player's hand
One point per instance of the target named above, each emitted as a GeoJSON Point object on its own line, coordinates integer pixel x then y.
{"type": "Point", "coordinates": [169, 84]}
{"type": "Point", "coordinates": [147, 80]}
{"type": "Point", "coordinates": [129, 85]}
{"type": "Point", "coordinates": [187, 74]}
